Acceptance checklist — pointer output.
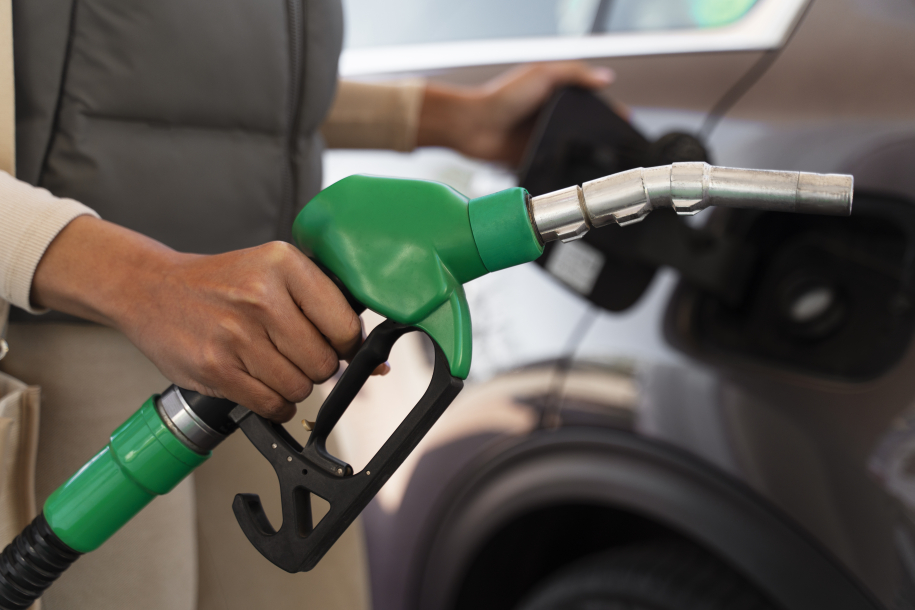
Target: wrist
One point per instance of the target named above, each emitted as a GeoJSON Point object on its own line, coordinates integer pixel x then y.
{"type": "Point", "coordinates": [130, 294]}
{"type": "Point", "coordinates": [99, 271]}
{"type": "Point", "coordinates": [449, 116]}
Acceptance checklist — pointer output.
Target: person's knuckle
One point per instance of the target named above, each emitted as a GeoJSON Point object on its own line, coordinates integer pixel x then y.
{"type": "Point", "coordinates": [212, 364]}
{"type": "Point", "coordinates": [208, 354]}
{"type": "Point", "coordinates": [327, 365]}
{"type": "Point", "coordinates": [351, 326]}
{"type": "Point", "coordinates": [257, 292]}
{"type": "Point", "coordinates": [231, 331]}
{"type": "Point", "coordinates": [274, 248]}
{"type": "Point", "coordinates": [293, 385]}
{"type": "Point", "coordinates": [279, 252]}
{"type": "Point", "coordinates": [301, 390]}
{"type": "Point", "coordinates": [272, 407]}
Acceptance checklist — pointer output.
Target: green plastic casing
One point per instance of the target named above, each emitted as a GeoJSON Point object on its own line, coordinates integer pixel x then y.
{"type": "Point", "coordinates": [405, 248]}
{"type": "Point", "coordinates": [143, 459]}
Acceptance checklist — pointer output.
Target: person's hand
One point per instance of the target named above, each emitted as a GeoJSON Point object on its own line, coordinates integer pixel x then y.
{"type": "Point", "coordinates": [257, 326]}
{"type": "Point", "coordinates": [493, 122]}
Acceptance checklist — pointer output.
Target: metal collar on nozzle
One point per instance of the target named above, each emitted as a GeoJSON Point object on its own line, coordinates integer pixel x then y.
{"type": "Point", "coordinates": [629, 196]}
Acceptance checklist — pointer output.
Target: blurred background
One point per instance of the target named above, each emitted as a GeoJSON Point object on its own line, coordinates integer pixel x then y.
{"type": "Point", "coordinates": [729, 391]}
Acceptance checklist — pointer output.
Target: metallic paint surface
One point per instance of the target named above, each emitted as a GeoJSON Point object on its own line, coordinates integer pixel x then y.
{"type": "Point", "coordinates": [838, 99]}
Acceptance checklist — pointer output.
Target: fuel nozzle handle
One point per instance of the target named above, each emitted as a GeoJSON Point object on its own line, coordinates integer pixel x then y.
{"type": "Point", "coordinates": [629, 196]}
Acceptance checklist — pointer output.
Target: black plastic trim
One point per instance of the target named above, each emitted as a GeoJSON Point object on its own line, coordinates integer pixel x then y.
{"type": "Point", "coordinates": [299, 544]}
{"type": "Point", "coordinates": [214, 412]}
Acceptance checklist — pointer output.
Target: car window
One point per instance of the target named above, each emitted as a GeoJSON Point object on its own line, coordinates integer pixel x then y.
{"type": "Point", "coordinates": [372, 23]}
{"type": "Point", "coordinates": [648, 15]}
{"type": "Point", "coordinates": [424, 36]}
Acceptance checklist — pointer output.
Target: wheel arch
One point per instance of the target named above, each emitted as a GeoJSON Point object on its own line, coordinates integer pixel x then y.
{"type": "Point", "coordinates": [651, 488]}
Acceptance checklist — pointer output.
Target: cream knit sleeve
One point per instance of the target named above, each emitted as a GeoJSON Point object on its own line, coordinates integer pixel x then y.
{"type": "Point", "coordinates": [370, 115]}
{"type": "Point", "coordinates": [30, 219]}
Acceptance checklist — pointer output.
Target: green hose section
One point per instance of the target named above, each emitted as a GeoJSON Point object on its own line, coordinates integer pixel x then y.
{"type": "Point", "coordinates": [143, 459]}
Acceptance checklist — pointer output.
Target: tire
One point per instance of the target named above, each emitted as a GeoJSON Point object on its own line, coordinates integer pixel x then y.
{"type": "Point", "coordinates": [648, 576]}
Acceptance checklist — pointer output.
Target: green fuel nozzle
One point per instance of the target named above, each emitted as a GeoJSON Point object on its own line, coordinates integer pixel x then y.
{"type": "Point", "coordinates": [403, 248]}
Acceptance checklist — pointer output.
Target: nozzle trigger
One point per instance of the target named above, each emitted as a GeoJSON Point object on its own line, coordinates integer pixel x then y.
{"type": "Point", "coordinates": [299, 544]}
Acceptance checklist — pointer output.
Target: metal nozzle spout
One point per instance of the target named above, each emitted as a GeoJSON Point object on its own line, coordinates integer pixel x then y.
{"type": "Point", "coordinates": [629, 196]}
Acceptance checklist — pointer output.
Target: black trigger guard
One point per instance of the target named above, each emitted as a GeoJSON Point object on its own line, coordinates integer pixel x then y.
{"type": "Point", "coordinates": [299, 545]}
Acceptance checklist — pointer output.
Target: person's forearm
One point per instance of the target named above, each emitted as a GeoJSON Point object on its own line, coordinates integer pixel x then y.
{"type": "Point", "coordinates": [95, 270]}
{"type": "Point", "coordinates": [374, 115]}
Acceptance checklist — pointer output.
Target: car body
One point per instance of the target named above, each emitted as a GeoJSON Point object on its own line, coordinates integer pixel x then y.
{"type": "Point", "coordinates": [783, 452]}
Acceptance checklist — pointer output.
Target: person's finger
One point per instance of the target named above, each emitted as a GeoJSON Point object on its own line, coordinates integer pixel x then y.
{"type": "Point", "coordinates": [516, 95]}
{"type": "Point", "coordinates": [579, 73]}
{"type": "Point", "coordinates": [255, 395]}
{"type": "Point", "coordinates": [324, 305]}
{"type": "Point", "coordinates": [382, 369]}
{"type": "Point", "coordinates": [598, 77]}
{"type": "Point", "coordinates": [273, 369]}
{"type": "Point", "coordinates": [298, 340]}
{"type": "Point", "coordinates": [332, 318]}
{"type": "Point", "coordinates": [590, 77]}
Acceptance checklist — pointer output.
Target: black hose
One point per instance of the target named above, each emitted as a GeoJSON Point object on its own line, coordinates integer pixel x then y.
{"type": "Point", "coordinates": [30, 563]}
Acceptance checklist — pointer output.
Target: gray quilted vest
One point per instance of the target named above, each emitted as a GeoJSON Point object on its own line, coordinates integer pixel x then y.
{"type": "Point", "coordinates": [191, 121]}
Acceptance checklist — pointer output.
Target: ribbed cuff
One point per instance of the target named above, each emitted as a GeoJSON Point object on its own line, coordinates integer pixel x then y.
{"type": "Point", "coordinates": [369, 115]}
{"type": "Point", "coordinates": [32, 218]}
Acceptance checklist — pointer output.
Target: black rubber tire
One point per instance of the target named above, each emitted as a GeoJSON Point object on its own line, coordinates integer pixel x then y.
{"type": "Point", "coordinates": [648, 576]}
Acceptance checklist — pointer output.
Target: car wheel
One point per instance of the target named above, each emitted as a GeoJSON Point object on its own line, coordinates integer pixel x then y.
{"type": "Point", "coordinates": [652, 576]}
